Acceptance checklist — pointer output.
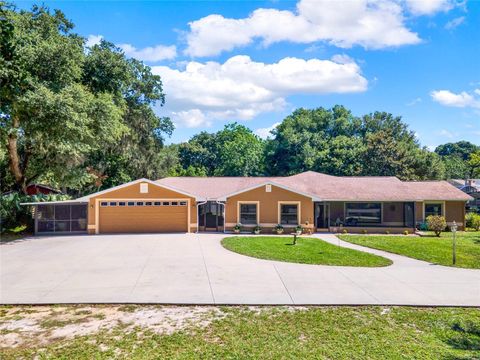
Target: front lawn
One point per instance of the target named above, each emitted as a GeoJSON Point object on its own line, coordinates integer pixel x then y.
{"type": "Point", "coordinates": [306, 251]}
{"type": "Point", "coordinates": [428, 248]}
{"type": "Point", "coordinates": [187, 332]}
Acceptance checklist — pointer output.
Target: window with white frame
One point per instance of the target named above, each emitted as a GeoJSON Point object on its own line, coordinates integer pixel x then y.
{"type": "Point", "coordinates": [289, 214]}
{"type": "Point", "coordinates": [248, 214]}
{"type": "Point", "coordinates": [433, 209]}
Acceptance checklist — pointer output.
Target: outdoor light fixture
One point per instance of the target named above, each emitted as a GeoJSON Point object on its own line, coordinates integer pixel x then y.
{"type": "Point", "coordinates": [454, 231]}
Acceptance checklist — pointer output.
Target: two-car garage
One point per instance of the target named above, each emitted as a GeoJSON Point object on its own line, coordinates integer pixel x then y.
{"type": "Point", "coordinates": [142, 206]}
{"type": "Point", "coordinates": [147, 216]}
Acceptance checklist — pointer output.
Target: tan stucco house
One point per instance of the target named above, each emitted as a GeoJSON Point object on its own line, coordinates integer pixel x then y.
{"type": "Point", "coordinates": [316, 201]}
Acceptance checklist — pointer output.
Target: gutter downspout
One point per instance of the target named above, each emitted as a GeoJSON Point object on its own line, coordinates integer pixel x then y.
{"type": "Point", "coordinates": [198, 219]}
{"type": "Point", "coordinates": [224, 219]}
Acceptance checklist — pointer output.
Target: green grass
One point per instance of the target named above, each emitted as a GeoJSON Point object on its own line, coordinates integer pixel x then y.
{"type": "Point", "coordinates": [286, 333]}
{"type": "Point", "coordinates": [428, 248]}
{"type": "Point", "coordinates": [306, 251]}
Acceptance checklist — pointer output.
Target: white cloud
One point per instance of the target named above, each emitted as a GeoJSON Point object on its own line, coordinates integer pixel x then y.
{"type": "Point", "coordinates": [369, 23]}
{"type": "Point", "coordinates": [414, 101]}
{"type": "Point", "coordinates": [192, 118]}
{"type": "Point", "coordinates": [452, 24]}
{"type": "Point", "coordinates": [429, 7]}
{"type": "Point", "coordinates": [266, 132]}
{"type": "Point", "coordinates": [461, 100]}
{"type": "Point", "coordinates": [93, 40]}
{"type": "Point", "coordinates": [153, 54]}
{"type": "Point", "coordinates": [446, 133]}
{"type": "Point", "coordinates": [241, 88]}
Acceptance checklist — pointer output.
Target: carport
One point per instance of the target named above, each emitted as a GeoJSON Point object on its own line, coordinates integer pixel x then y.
{"type": "Point", "coordinates": [59, 217]}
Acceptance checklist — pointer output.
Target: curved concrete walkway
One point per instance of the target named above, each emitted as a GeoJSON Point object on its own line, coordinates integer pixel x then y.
{"type": "Point", "coordinates": [196, 269]}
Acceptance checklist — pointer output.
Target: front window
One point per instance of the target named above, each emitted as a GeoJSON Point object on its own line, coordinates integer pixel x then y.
{"type": "Point", "coordinates": [248, 214]}
{"type": "Point", "coordinates": [363, 213]}
{"type": "Point", "coordinates": [433, 209]}
{"type": "Point", "coordinates": [289, 214]}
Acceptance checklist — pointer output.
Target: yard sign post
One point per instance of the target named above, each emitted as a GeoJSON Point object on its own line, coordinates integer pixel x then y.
{"type": "Point", "coordinates": [454, 231]}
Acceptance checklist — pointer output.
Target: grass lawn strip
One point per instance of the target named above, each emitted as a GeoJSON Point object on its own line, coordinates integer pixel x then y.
{"type": "Point", "coordinates": [153, 332]}
{"type": "Point", "coordinates": [308, 250]}
{"type": "Point", "coordinates": [428, 248]}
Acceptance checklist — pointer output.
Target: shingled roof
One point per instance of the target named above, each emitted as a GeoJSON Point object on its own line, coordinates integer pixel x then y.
{"type": "Point", "coordinates": [322, 187]}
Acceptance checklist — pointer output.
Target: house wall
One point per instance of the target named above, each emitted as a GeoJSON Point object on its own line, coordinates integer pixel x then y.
{"type": "Point", "coordinates": [419, 211]}
{"type": "Point", "coordinates": [455, 211]}
{"type": "Point", "coordinates": [268, 206]}
{"type": "Point", "coordinates": [133, 192]}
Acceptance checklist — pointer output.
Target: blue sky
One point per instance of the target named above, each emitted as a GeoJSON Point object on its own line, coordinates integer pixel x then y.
{"type": "Point", "coordinates": [254, 62]}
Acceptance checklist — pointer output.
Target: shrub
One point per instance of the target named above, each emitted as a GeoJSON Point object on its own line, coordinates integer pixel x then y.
{"type": "Point", "coordinates": [364, 231]}
{"type": "Point", "coordinates": [257, 229]}
{"type": "Point", "coordinates": [237, 228]}
{"type": "Point", "coordinates": [387, 232]}
{"type": "Point", "coordinates": [13, 215]}
{"type": "Point", "coordinates": [472, 220]}
{"type": "Point", "coordinates": [406, 232]}
{"type": "Point", "coordinates": [436, 223]}
{"type": "Point", "coordinates": [423, 226]}
{"type": "Point", "coordinates": [345, 231]}
{"type": "Point", "coordinates": [278, 229]}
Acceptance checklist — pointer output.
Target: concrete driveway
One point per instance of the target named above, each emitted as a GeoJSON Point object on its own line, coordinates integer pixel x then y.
{"type": "Point", "coordinates": [196, 269]}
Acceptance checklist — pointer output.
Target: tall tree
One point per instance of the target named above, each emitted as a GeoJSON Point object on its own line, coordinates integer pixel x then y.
{"type": "Point", "coordinates": [136, 89]}
{"type": "Point", "coordinates": [50, 120]}
{"type": "Point", "coordinates": [334, 141]}
{"type": "Point", "coordinates": [474, 164]}
{"type": "Point", "coordinates": [233, 151]}
{"type": "Point", "coordinates": [74, 115]}
{"type": "Point", "coordinates": [456, 158]}
{"type": "Point", "coordinates": [318, 139]}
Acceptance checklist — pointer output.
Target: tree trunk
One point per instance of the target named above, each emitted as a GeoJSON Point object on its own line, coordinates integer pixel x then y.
{"type": "Point", "coordinates": [14, 163]}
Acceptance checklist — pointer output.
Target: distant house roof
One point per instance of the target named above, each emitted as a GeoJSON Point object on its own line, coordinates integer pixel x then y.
{"type": "Point", "coordinates": [322, 187]}
{"type": "Point", "coordinates": [468, 186]}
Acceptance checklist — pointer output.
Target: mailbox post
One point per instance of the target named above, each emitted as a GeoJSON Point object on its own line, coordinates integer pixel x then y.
{"type": "Point", "coordinates": [454, 231]}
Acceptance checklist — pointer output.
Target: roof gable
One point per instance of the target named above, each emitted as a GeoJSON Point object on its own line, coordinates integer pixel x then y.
{"type": "Point", "coordinates": [138, 181]}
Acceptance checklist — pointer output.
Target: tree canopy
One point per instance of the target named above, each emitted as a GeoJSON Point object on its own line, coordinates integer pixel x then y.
{"type": "Point", "coordinates": [457, 158]}
{"type": "Point", "coordinates": [70, 115]}
{"type": "Point", "coordinates": [334, 141]}
{"type": "Point", "coordinates": [233, 151]}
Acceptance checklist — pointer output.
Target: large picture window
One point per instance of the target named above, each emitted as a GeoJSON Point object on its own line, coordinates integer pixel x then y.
{"type": "Point", "coordinates": [363, 213]}
{"type": "Point", "coordinates": [433, 209]}
{"type": "Point", "coordinates": [289, 214]}
{"type": "Point", "coordinates": [248, 214]}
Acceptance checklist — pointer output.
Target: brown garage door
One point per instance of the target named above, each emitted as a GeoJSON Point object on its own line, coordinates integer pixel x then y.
{"type": "Point", "coordinates": [143, 216]}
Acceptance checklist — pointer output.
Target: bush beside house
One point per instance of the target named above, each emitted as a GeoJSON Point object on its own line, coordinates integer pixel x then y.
{"type": "Point", "coordinates": [472, 221]}
{"type": "Point", "coordinates": [436, 223]}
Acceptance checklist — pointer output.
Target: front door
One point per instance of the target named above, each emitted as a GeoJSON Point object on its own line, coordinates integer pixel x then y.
{"type": "Point", "coordinates": [210, 216]}
{"type": "Point", "coordinates": [321, 215]}
{"type": "Point", "coordinates": [409, 214]}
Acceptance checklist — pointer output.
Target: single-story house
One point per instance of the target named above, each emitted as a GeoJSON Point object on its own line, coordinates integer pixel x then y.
{"type": "Point", "coordinates": [317, 202]}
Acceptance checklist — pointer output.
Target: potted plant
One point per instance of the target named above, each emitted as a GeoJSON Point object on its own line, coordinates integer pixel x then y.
{"type": "Point", "coordinates": [298, 230]}
{"type": "Point", "coordinates": [257, 229]}
{"type": "Point", "coordinates": [237, 228]}
{"type": "Point", "coordinates": [279, 229]}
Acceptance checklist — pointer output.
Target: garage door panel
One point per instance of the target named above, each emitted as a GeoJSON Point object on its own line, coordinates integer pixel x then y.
{"type": "Point", "coordinates": [135, 219]}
